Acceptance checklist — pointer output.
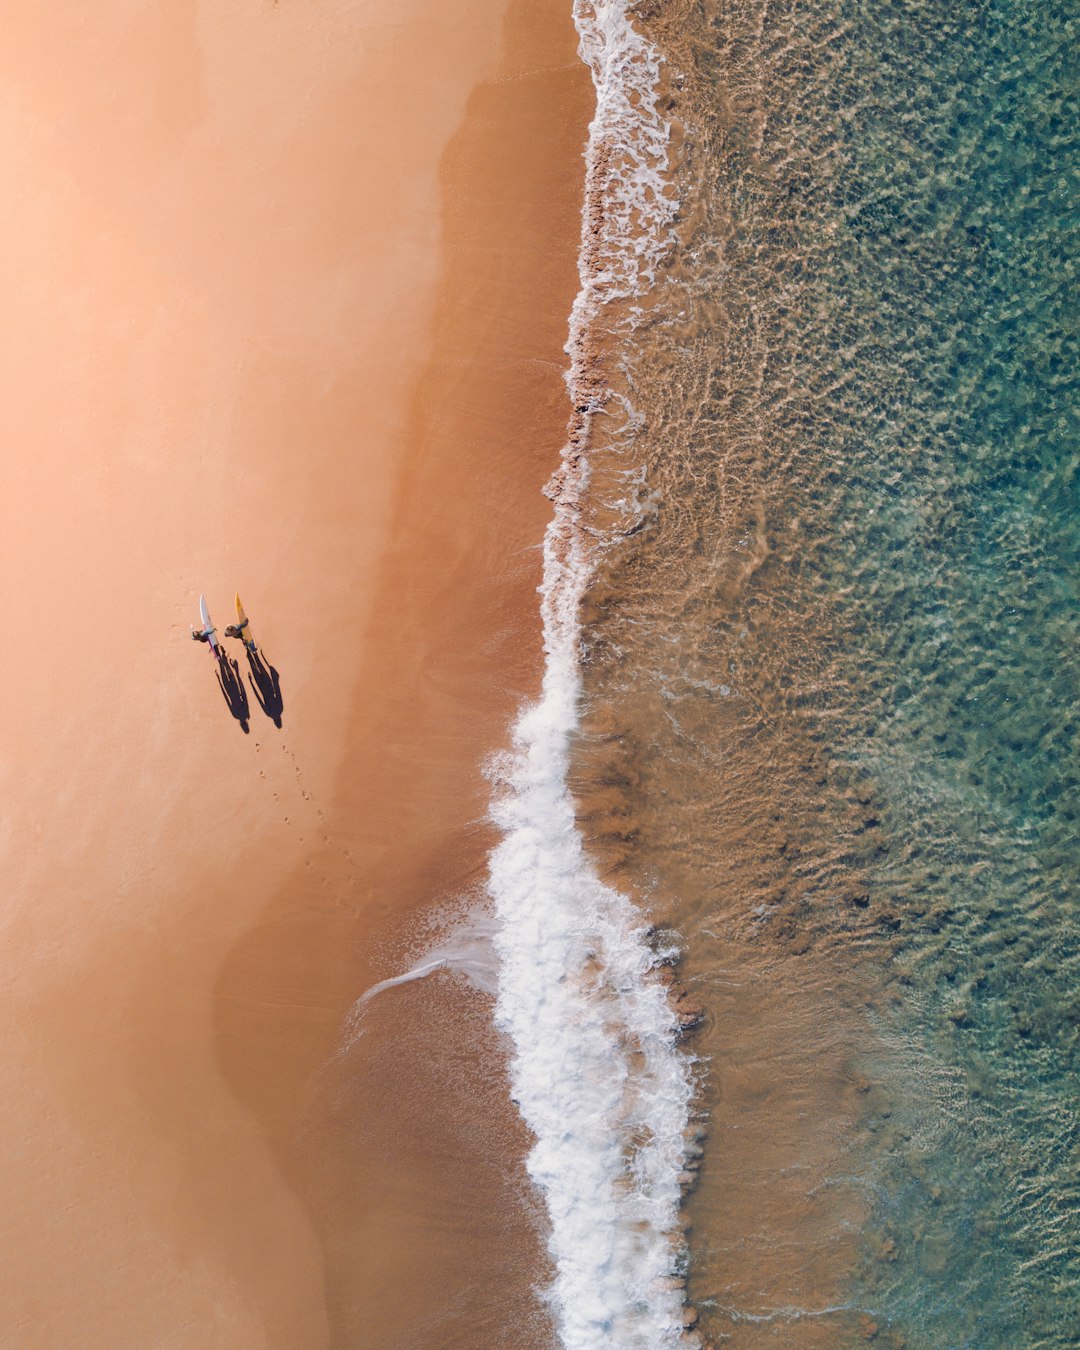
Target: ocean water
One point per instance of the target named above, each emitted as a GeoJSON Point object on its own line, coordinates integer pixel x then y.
{"type": "Point", "coordinates": [812, 632]}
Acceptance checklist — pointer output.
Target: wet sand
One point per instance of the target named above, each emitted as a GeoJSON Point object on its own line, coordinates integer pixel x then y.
{"type": "Point", "coordinates": [285, 309]}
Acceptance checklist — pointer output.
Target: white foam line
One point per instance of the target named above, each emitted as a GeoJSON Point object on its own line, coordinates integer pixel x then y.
{"type": "Point", "coordinates": [789, 1313]}
{"type": "Point", "coordinates": [595, 1068]}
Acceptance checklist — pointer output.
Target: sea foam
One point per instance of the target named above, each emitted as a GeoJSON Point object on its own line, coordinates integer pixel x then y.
{"type": "Point", "coordinates": [595, 1067]}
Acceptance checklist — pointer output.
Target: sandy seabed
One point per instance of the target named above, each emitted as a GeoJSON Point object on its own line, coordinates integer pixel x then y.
{"type": "Point", "coordinates": [285, 297]}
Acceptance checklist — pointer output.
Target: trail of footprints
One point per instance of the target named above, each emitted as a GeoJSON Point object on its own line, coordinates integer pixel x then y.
{"type": "Point", "coordinates": [306, 796]}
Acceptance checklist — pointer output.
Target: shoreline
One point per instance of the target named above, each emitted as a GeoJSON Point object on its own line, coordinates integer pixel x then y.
{"type": "Point", "coordinates": [583, 993]}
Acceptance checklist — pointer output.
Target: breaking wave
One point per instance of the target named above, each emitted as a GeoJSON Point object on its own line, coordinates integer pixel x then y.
{"type": "Point", "coordinates": [596, 1071]}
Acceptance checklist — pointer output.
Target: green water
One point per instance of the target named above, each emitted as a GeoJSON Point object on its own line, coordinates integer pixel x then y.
{"type": "Point", "coordinates": [856, 430]}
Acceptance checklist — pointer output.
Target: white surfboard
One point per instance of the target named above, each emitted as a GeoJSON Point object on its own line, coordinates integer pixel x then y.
{"type": "Point", "coordinates": [208, 627]}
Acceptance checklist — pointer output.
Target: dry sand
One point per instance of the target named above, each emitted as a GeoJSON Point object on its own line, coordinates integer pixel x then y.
{"type": "Point", "coordinates": [285, 294]}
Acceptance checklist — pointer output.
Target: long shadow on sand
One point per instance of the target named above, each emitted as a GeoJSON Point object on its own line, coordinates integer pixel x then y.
{"type": "Point", "coordinates": [266, 686]}
{"type": "Point", "coordinates": [232, 688]}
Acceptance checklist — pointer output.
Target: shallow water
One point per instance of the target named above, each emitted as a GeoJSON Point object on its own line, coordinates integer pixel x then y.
{"type": "Point", "coordinates": [829, 730]}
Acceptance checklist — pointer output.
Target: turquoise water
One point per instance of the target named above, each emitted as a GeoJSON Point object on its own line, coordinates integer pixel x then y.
{"type": "Point", "coordinates": [849, 614]}
{"type": "Point", "coordinates": [960, 208]}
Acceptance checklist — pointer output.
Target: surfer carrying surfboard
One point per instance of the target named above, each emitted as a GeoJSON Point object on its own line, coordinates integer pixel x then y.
{"type": "Point", "coordinates": [241, 629]}
{"type": "Point", "coordinates": [207, 633]}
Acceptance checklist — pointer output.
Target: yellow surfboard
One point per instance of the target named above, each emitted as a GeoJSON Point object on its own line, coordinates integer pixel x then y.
{"type": "Point", "coordinates": [245, 628]}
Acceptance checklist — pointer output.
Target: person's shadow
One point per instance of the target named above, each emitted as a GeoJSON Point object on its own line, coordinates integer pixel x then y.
{"type": "Point", "coordinates": [266, 685]}
{"type": "Point", "coordinates": [232, 687]}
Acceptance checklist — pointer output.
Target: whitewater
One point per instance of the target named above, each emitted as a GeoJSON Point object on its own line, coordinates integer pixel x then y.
{"type": "Point", "coordinates": [595, 1067]}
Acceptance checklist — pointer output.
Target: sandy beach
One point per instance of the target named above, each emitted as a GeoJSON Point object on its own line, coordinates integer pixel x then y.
{"type": "Point", "coordinates": [286, 293]}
